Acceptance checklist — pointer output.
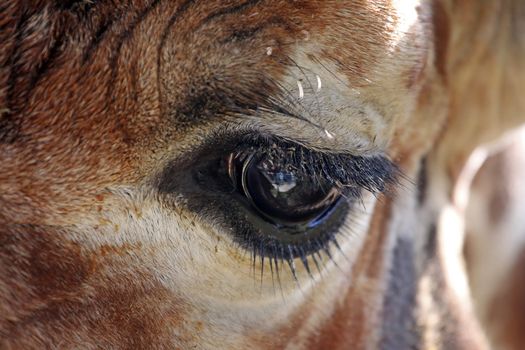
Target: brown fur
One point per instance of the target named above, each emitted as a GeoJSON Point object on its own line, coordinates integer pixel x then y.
{"type": "Point", "coordinates": [98, 97]}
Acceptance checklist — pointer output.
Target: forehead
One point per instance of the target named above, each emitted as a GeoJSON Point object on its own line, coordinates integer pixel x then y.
{"type": "Point", "coordinates": [181, 52]}
{"type": "Point", "coordinates": [349, 68]}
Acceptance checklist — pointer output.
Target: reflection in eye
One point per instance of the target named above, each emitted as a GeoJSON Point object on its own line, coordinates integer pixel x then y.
{"type": "Point", "coordinates": [282, 193]}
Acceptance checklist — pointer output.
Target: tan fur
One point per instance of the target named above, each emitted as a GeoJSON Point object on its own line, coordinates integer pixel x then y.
{"type": "Point", "coordinates": [98, 98]}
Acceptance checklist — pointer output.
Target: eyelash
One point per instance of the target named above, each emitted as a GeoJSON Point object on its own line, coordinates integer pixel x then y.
{"type": "Point", "coordinates": [374, 174]}
{"type": "Point", "coordinates": [351, 174]}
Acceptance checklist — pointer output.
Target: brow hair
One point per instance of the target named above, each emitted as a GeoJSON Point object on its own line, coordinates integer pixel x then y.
{"type": "Point", "coordinates": [37, 41]}
{"type": "Point", "coordinates": [26, 68]}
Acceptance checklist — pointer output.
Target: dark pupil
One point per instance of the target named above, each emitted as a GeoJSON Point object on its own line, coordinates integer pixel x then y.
{"type": "Point", "coordinates": [285, 194]}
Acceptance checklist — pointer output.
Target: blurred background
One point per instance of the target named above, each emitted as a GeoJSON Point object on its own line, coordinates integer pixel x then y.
{"type": "Point", "coordinates": [491, 198]}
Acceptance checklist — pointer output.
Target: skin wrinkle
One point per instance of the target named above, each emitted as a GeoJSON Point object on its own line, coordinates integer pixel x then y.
{"type": "Point", "coordinates": [97, 100]}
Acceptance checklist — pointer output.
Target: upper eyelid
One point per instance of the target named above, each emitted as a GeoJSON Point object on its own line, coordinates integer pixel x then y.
{"type": "Point", "coordinates": [373, 173]}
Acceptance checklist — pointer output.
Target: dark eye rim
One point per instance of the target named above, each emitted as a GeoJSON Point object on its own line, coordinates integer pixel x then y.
{"type": "Point", "coordinates": [212, 197]}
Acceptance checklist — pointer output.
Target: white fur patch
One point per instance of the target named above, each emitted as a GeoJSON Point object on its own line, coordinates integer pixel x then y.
{"type": "Point", "coordinates": [194, 259]}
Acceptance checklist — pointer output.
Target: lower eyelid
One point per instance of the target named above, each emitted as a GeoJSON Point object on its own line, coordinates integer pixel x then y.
{"type": "Point", "coordinates": [245, 231]}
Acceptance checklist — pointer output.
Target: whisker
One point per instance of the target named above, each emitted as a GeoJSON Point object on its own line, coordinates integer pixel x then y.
{"type": "Point", "coordinates": [301, 91]}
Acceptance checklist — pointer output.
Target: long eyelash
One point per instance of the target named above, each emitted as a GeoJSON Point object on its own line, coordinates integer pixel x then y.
{"type": "Point", "coordinates": [283, 255]}
{"type": "Point", "coordinates": [209, 182]}
{"type": "Point", "coordinates": [348, 172]}
{"type": "Point", "coordinates": [351, 174]}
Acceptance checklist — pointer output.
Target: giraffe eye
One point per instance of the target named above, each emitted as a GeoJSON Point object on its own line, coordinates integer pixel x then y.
{"type": "Point", "coordinates": [282, 193]}
{"type": "Point", "coordinates": [275, 198]}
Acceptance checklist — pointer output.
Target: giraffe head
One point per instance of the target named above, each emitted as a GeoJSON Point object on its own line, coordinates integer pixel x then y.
{"type": "Point", "coordinates": [233, 174]}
